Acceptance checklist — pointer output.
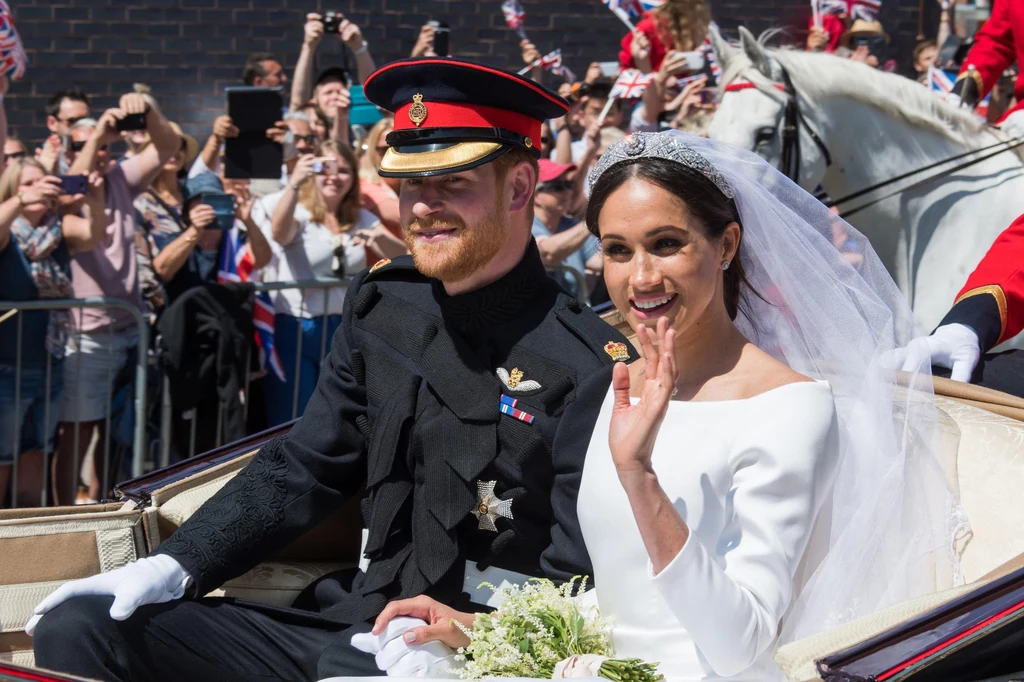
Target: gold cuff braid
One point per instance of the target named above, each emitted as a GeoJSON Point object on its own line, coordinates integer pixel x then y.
{"type": "Point", "coordinates": [997, 293]}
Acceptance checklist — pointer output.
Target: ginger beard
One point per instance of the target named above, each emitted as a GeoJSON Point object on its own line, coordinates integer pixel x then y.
{"type": "Point", "coordinates": [467, 250]}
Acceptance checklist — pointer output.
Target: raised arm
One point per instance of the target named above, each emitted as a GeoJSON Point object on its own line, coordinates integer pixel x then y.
{"type": "Point", "coordinates": [302, 85]}
{"type": "Point", "coordinates": [142, 169]}
{"type": "Point", "coordinates": [283, 226]}
{"type": "Point", "coordinates": [352, 36]}
{"type": "Point", "coordinates": [732, 612]}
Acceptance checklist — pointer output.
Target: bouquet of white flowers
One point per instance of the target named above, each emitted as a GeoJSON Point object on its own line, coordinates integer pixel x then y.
{"type": "Point", "coordinates": [541, 631]}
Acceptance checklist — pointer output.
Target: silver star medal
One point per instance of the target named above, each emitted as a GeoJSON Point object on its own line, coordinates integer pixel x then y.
{"type": "Point", "coordinates": [489, 507]}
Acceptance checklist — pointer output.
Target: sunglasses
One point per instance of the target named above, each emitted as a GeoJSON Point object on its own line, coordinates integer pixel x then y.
{"type": "Point", "coordinates": [71, 121]}
{"type": "Point", "coordinates": [17, 155]}
{"type": "Point", "coordinates": [308, 139]}
{"type": "Point", "coordinates": [555, 186]}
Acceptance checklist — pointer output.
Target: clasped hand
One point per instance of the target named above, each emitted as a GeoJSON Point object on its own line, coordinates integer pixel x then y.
{"type": "Point", "coordinates": [634, 428]}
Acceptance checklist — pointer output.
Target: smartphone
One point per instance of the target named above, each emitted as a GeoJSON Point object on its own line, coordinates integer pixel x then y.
{"type": "Point", "coordinates": [223, 205]}
{"type": "Point", "coordinates": [694, 62]}
{"type": "Point", "coordinates": [442, 38]}
{"type": "Point", "coordinates": [74, 184]}
{"type": "Point", "coordinates": [609, 69]}
{"type": "Point", "coordinates": [325, 166]}
{"type": "Point", "coordinates": [131, 122]}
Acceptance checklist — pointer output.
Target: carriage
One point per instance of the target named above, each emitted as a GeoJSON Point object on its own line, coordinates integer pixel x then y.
{"type": "Point", "coordinates": [982, 433]}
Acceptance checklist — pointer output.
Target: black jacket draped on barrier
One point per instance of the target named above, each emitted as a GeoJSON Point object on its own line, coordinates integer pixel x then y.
{"type": "Point", "coordinates": [408, 407]}
{"type": "Point", "coordinates": [205, 336]}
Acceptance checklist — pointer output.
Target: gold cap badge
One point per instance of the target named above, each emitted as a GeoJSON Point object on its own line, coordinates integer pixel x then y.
{"type": "Point", "coordinates": [379, 264]}
{"type": "Point", "coordinates": [418, 110]}
{"type": "Point", "coordinates": [617, 351]}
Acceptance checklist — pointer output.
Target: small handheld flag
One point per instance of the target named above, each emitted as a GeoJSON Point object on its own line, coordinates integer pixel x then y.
{"type": "Point", "coordinates": [855, 9]}
{"type": "Point", "coordinates": [515, 16]}
{"type": "Point", "coordinates": [12, 54]}
{"type": "Point", "coordinates": [627, 11]}
{"type": "Point", "coordinates": [552, 62]}
{"type": "Point", "coordinates": [941, 82]}
{"type": "Point", "coordinates": [631, 84]}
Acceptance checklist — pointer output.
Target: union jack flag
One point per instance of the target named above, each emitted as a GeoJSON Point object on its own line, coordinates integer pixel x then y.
{"type": "Point", "coordinates": [515, 15]}
{"type": "Point", "coordinates": [633, 9]}
{"type": "Point", "coordinates": [855, 9]}
{"type": "Point", "coordinates": [631, 84]}
{"type": "Point", "coordinates": [941, 82]}
{"type": "Point", "coordinates": [648, 5]}
{"type": "Point", "coordinates": [12, 54]}
{"type": "Point", "coordinates": [237, 265]}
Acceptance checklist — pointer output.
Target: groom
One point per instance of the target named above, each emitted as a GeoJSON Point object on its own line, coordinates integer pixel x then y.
{"type": "Point", "coordinates": [460, 392]}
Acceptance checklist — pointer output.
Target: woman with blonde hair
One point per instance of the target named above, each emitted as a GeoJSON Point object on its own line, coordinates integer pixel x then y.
{"type": "Point", "coordinates": [318, 230]}
{"type": "Point", "coordinates": [679, 25]}
{"type": "Point", "coordinates": [36, 245]}
{"type": "Point", "coordinates": [380, 195]}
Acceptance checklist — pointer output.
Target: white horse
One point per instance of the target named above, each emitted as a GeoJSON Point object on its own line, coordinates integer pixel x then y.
{"type": "Point", "coordinates": [876, 126]}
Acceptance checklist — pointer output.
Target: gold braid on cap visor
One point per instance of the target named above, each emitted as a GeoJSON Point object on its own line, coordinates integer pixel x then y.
{"type": "Point", "coordinates": [423, 162]}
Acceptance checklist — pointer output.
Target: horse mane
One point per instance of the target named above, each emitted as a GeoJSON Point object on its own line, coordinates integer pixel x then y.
{"type": "Point", "coordinates": [889, 93]}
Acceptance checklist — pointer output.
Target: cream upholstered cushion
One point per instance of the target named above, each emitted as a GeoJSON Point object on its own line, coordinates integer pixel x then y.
{"type": "Point", "coordinates": [987, 473]}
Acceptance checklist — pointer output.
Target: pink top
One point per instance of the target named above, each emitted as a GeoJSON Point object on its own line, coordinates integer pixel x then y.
{"type": "Point", "coordinates": [110, 269]}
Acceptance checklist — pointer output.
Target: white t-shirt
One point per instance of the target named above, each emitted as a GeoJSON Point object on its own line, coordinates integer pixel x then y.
{"type": "Point", "coordinates": [311, 255]}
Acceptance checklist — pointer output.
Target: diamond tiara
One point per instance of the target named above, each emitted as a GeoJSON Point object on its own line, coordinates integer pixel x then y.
{"type": "Point", "coordinates": [659, 146]}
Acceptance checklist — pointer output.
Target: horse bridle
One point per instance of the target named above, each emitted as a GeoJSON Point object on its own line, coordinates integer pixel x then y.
{"type": "Point", "coordinates": [791, 122]}
{"type": "Point", "coordinates": [792, 119]}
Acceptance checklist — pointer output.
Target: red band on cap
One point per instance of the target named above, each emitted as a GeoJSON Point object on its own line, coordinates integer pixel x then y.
{"type": "Point", "coordinates": [452, 115]}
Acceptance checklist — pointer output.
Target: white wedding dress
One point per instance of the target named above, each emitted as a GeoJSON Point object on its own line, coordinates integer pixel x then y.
{"type": "Point", "coordinates": [747, 477]}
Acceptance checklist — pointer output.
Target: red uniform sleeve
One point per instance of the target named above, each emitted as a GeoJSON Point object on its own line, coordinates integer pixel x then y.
{"type": "Point", "coordinates": [993, 49]}
{"type": "Point", "coordinates": [992, 301]}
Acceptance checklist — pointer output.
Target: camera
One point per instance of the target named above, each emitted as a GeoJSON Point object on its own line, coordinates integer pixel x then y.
{"type": "Point", "coordinates": [325, 166]}
{"type": "Point", "coordinates": [331, 22]}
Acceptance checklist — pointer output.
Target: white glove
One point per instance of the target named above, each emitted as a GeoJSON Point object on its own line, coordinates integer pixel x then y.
{"type": "Point", "coordinates": [954, 346]}
{"type": "Point", "coordinates": [1014, 124]}
{"type": "Point", "coordinates": [153, 580]}
{"type": "Point", "coordinates": [399, 659]}
{"type": "Point", "coordinates": [954, 100]}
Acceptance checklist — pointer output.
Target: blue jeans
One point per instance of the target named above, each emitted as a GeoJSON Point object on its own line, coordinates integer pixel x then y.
{"type": "Point", "coordinates": [29, 420]}
{"type": "Point", "coordinates": [291, 344]}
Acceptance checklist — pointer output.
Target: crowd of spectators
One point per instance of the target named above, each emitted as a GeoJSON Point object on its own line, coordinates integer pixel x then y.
{"type": "Point", "coordinates": [139, 228]}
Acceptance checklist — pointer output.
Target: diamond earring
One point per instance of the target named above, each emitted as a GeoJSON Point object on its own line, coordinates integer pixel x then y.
{"type": "Point", "coordinates": [725, 265]}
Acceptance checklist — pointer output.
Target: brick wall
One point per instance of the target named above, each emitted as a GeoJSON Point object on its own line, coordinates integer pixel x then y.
{"type": "Point", "coordinates": [189, 50]}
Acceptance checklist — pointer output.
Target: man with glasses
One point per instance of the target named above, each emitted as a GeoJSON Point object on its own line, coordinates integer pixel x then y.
{"type": "Point", "coordinates": [102, 339]}
{"type": "Point", "coordinates": [561, 239]}
{"type": "Point", "coordinates": [63, 110]}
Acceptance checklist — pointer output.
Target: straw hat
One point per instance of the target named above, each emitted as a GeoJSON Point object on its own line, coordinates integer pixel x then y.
{"type": "Point", "coordinates": [191, 146]}
{"type": "Point", "coordinates": [862, 27]}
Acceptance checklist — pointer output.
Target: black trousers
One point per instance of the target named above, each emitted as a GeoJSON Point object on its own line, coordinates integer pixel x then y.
{"type": "Point", "coordinates": [206, 639]}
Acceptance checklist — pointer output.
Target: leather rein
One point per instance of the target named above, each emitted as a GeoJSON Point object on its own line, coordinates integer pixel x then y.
{"type": "Point", "coordinates": [793, 118]}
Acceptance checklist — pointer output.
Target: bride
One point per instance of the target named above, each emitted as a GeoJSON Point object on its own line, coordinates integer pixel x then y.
{"type": "Point", "coordinates": [758, 476]}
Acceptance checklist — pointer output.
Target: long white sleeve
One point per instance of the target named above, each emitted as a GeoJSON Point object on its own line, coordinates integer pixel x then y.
{"type": "Point", "coordinates": [747, 477]}
{"type": "Point", "coordinates": [778, 471]}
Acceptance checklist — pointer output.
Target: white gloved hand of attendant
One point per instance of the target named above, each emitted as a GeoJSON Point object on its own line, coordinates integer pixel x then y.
{"type": "Point", "coordinates": [153, 580]}
{"type": "Point", "coordinates": [954, 346]}
{"type": "Point", "coordinates": [1014, 124]}
{"type": "Point", "coordinates": [399, 659]}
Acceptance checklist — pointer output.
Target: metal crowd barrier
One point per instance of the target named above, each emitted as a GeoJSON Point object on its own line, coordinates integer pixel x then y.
{"type": "Point", "coordinates": [11, 317]}
{"type": "Point", "coordinates": [167, 415]}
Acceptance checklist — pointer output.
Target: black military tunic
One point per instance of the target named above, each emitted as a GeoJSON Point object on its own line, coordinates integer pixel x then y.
{"type": "Point", "coordinates": [408, 407]}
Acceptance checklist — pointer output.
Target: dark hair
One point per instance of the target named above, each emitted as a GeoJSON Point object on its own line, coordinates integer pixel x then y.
{"type": "Point", "coordinates": [702, 197]}
{"type": "Point", "coordinates": [72, 93]}
{"type": "Point", "coordinates": [254, 67]}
